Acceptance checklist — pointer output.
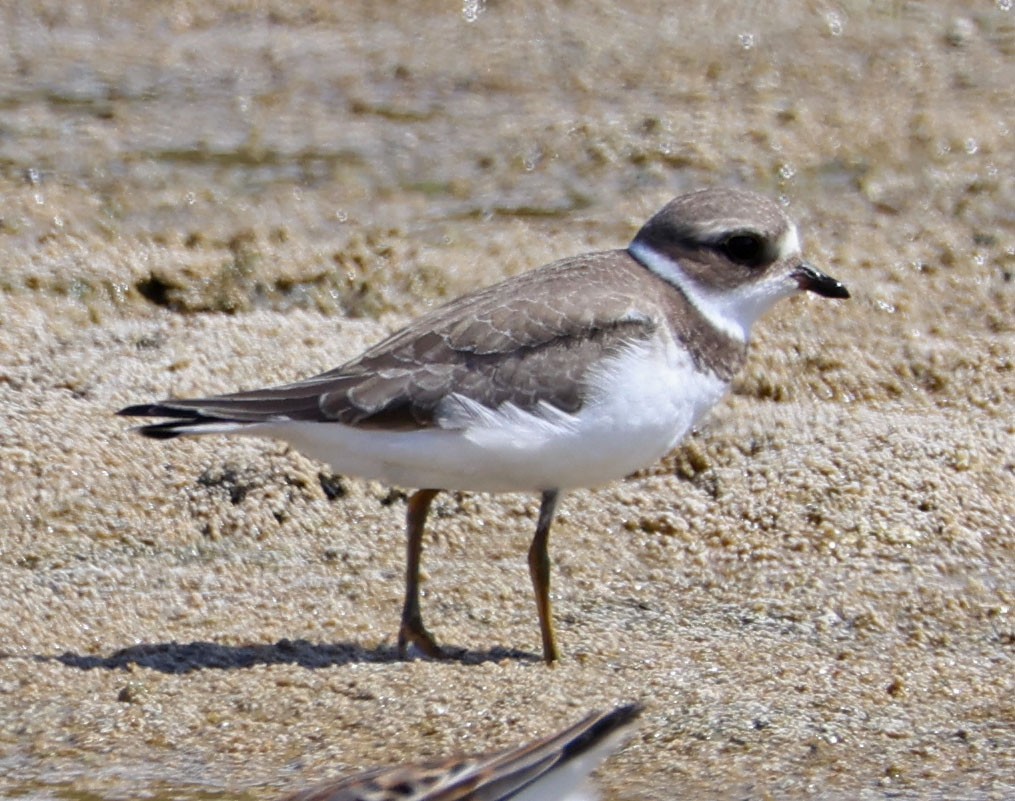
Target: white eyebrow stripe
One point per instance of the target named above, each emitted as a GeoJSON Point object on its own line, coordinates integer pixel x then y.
{"type": "Point", "coordinates": [710, 307]}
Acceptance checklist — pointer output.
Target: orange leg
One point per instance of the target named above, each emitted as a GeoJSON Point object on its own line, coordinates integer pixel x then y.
{"type": "Point", "coordinates": [412, 629]}
{"type": "Point", "coordinates": [539, 570]}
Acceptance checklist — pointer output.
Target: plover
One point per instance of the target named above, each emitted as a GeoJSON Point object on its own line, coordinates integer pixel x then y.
{"type": "Point", "coordinates": [552, 769]}
{"type": "Point", "coordinates": [572, 375]}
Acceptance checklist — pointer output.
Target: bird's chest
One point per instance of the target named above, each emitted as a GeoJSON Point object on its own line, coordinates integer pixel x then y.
{"type": "Point", "coordinates": [653, 381]}
{"type": "Point", "coordinates": [642, 401]}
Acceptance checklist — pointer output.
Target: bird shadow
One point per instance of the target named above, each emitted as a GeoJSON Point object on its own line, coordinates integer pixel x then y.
{"type": "Point", "coordinates": [175, 657]}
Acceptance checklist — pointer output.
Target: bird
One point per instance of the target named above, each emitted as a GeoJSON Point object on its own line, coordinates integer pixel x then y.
{"type": "Point", "coordinates": [571, 375]}
{"type": "Point", "coordinates": [555, 768]}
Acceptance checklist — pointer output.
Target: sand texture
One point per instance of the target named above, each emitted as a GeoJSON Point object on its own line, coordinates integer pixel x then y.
{"type": "Point", "coordinates": [812, 595]}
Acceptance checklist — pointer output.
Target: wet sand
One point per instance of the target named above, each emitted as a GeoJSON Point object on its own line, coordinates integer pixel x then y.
{"type": "Point", "coordinates": [812, 596]}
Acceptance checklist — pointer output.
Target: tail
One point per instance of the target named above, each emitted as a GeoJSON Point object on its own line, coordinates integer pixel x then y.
{"type": "Point", "coordinates": [183, 421]}
{"type": "Point", "coordinates": [227, 413]}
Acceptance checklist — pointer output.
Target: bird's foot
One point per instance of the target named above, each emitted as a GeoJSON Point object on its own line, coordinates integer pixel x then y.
{"type": "Point", "coordinates": [412, 632]}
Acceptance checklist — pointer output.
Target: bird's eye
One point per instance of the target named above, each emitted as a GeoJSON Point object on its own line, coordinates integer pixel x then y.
{"type": "Point", "coordinates": [746, 249]}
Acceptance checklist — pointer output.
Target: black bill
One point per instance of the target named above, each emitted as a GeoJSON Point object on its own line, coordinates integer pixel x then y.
{"type": "Point", "coordinates": [812, 279]}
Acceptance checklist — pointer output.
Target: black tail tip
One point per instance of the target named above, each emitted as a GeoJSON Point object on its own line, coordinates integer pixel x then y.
{"type": "Point", "coordinates": [166, 430]}
{"type": "Point", "coordinates": [160, 431]}
{"type": "Point", "coordinates": [139, 410]}
{"type": "Point", "coordinates": [624, 714]}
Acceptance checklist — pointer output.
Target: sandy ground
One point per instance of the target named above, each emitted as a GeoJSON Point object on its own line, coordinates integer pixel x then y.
{"type": "Point", "coordinates": [813, 596]}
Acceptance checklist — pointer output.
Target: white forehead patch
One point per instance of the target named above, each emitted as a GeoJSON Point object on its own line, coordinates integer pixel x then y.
{"type": "Point", "coordinates": [789, 243]}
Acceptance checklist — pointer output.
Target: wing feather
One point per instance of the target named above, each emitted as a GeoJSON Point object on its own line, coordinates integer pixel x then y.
{"type": "Point", "coordinates": [527, 342]}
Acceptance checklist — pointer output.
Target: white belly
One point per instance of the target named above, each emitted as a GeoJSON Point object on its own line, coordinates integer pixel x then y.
{"type": "Point", "coordinates": [641, 404]}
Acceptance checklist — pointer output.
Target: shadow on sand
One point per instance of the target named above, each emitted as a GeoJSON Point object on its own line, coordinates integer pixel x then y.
{"type": "Point", "coordinates": [174, 657]}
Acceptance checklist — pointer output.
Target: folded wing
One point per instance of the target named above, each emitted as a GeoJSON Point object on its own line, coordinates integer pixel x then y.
{"type": "Point", "coordinates": [473, 348]}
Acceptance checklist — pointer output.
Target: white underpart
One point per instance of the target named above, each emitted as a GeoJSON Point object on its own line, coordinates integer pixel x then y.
{"type": "Point", "coordinates": [640, 403]}
{"type": "Point", "coordinates": [731, 311]}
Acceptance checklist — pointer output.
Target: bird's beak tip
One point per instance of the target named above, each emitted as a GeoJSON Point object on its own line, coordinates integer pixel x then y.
{"type": "Point", "coordinates": [813, 280]}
